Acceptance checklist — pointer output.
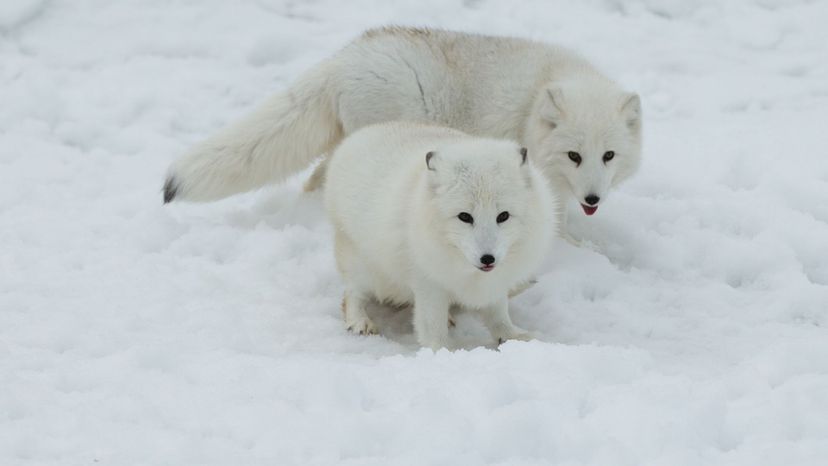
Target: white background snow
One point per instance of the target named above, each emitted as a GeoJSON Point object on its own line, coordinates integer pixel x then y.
{"type": "Point", "coordinates": [691, 330]}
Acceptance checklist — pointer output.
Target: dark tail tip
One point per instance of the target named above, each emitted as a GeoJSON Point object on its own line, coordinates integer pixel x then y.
{"type": "Point", "coordinates": [170, 190]}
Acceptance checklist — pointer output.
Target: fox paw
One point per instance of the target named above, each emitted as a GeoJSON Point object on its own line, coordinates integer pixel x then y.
{"type": "Point", "coordinates": [522, 335]}
{"type": "Point", "coordinates": [361, 326]}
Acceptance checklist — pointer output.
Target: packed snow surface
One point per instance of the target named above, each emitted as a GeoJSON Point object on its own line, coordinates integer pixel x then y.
{"type": "Point", "coordinates": [691, 328]}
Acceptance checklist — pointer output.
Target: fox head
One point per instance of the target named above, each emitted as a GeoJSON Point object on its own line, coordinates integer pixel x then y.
{"type": "Point", "coordinates": [481, 195]}
{"type": "Point", "coordinates": [586, 136]}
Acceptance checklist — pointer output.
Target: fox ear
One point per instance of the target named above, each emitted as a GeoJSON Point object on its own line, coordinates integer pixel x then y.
{"type": "Point", "coordinates": [527, 174]}
{"type": "Point", "coordinates": [631, 110]}
{"type": "Point", "coordinates": [430, 159]}
{"type": "Point", "coordinates": [552, 107]}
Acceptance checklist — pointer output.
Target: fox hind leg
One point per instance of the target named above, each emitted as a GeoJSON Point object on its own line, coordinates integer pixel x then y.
{"type": "Point", "coordinates": [317, 178]}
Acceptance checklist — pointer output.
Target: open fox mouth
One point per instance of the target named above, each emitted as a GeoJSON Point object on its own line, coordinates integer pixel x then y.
{"type": "Point", "coordinates": [589, 209]}
{"type": "Point", "coordinates": [486, 268]}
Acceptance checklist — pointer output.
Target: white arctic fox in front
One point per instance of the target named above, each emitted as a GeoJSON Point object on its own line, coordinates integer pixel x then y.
{"type": "Point", "coordinates": [582, 130]}
{"type": "Point", "coordinates": [432, 216]}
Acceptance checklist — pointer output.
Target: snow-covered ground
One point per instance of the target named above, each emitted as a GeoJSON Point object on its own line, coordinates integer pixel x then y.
{"type": "Point", "coordinates": [692, 330]}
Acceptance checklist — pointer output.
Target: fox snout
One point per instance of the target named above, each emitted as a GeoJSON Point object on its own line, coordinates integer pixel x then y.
{"type": "Point", "coordinates": [487, 262]}
{"type": "Point", "coordinates": [590, 203]}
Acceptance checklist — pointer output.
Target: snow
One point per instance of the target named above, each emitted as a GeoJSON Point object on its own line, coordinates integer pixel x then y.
{"type": "Point", "coordinates": [690, 329]}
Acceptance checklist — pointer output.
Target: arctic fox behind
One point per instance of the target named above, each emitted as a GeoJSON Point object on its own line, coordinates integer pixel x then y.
{"type": "Point", "coordinates": [431, 216]}
{"type": "Point", "coordinates": [581, 129]}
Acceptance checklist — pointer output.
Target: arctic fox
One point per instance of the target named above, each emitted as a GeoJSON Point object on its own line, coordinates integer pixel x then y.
{"type": "Point", "coordinates": [432, 216]}
{"type": "Point", "coordinates": [580, 128]}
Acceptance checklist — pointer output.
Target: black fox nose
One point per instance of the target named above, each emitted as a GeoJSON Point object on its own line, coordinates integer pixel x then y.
{"type": "Point", "coordinates": [487, 259]}
{"type": "Point", "coordinates": [592, 199]}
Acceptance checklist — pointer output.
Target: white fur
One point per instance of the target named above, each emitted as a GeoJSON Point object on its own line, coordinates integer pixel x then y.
{"type": "Point", "coordinates": [281, 137]}
{"type": "Point", "coordinates": [398, 237]}
{"type": "Point", "coordinates": [548, 99]}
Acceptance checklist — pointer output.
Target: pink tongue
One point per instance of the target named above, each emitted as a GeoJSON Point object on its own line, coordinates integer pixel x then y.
{"type": "Point", "coordinates": [589, 210]}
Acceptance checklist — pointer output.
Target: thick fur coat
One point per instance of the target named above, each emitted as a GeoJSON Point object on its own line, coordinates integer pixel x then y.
{"type": "Point", "coordinates": [433, 217]}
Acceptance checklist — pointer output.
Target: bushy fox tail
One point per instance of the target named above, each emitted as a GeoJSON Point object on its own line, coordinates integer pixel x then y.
{"type": "Point", "coordinates": [278, 139]}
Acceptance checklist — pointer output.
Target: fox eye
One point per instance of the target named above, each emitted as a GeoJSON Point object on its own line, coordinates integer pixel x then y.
{"type": "Point", "coordinates": [502, 217]}
{"type": "Point", "coordinates": [608, 155]}
{"type": "Point", "coordinates": [465, 217]}
{"type": "Point", "coordinates": [575, 157]}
